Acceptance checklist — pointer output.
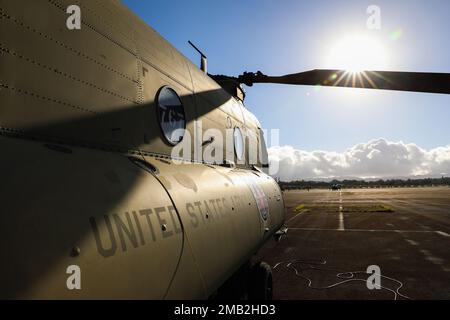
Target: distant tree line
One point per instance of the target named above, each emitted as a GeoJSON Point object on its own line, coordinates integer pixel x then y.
{"type": "Point", "coordinates": [389, 183]}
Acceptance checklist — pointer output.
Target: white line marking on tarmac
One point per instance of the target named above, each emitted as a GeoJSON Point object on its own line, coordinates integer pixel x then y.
{"type": "Point", "coordinates": [366, 230]}
{"type": "Point", "coordinates": [412, 242]}
{"type": "Point", "coordinates": [341, 214]}
{"type": "Point", "coordinates": [442, 233]}
{"type": "Point", "coordinates": [433, 259]}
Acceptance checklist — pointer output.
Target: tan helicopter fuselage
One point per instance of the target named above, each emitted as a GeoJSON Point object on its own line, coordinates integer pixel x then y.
{"type": "Point", "coordinates": [87, 176]}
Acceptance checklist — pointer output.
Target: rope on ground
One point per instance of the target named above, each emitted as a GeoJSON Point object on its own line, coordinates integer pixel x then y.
{"type": "Point", "coordinates": [299, 266]}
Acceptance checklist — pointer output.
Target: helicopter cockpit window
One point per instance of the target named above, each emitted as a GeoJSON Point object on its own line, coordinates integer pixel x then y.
{"type": "Point", "coordinates": [238, 143]}
{"type": "Point", "coordinates": [171, 115]}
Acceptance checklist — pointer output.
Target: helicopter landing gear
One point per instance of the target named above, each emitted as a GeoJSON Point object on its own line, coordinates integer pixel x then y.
{"type": "Point", "coordinates": [253, 281]}
{"type": "Point", "coordinates": [261, 283]}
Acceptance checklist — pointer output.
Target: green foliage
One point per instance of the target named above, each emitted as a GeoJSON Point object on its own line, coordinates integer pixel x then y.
{"type": "Point", "coordinates": [355, 183]}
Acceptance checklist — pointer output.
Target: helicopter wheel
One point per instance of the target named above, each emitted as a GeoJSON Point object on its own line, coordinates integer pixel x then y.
{"type": "Point", "coordinates": [261, 284]}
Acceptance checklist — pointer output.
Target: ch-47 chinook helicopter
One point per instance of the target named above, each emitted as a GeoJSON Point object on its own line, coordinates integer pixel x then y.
{"type": "Point", "coordinates": [88, 175]}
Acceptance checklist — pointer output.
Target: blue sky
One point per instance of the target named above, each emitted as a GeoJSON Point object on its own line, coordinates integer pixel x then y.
{"type": "Point", "coordinates": [287, 36]}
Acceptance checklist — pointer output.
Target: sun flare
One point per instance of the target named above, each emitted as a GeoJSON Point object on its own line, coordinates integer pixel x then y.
{"type": "Point", "coordinates": [356, 53]}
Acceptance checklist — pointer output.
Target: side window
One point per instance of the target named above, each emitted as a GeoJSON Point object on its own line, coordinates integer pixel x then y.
{"type": "Point", "coordinates": [170, 114]}
{"type": "Point", "coordinates": [238, 143]}
{"type": "Point", "coordinates": [263, 156]}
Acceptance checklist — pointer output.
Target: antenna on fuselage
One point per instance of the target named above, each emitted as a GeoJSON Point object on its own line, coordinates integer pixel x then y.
{"type": "Point", "coordinates": [203, 59]}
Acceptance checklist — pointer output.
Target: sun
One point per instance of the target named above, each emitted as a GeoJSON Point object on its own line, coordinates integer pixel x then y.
{"type": "Point", "coordinates": [356, 53]}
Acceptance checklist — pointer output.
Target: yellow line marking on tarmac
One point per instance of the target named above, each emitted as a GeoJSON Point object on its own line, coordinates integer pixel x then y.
{"type": "Point", "coordinates": [302, 211]}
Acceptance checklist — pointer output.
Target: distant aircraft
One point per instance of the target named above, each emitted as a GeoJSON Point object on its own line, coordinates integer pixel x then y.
{"type": "Point", "coordinates": [336, 187]}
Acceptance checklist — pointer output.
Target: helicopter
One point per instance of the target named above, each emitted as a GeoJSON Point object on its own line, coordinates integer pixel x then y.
{"type": "Point", "coordinates": [94, 203]}
{"type": "Point", "coordinates": [336, 187]}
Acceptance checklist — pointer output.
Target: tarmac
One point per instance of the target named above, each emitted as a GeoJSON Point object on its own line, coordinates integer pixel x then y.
{"type": "Point", "coordinates": [334, 236]}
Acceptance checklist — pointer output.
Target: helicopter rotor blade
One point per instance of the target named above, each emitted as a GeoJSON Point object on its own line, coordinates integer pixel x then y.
{"type": "Point", "coordinates": [384, 80]}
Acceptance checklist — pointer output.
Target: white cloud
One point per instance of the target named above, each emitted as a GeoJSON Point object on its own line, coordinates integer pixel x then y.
{"type": "Point", "coordinates": [375, 159]}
